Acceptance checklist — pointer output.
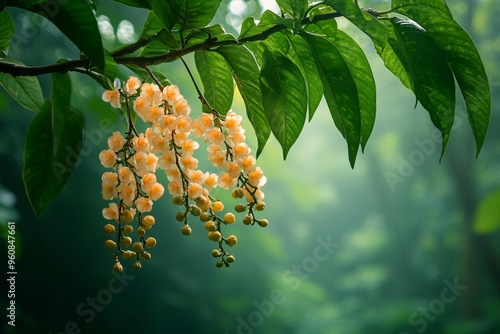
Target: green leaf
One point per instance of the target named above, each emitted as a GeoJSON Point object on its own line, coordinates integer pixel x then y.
{"type": "Point", "coordinates": [25, 90]}
{"type": "Point", "coordinates": [435, 4]}
{"type": "Point", "coordinates": [110, 67]}
{"type": "Point", "coordinates": [301, 54]}
{"type": "Point", "coordinates": [296, 8]}
{"type": "Point", "coordinates": [430, 75]}
{"type": "Point", "coordinates": [247, 26]}
{"type": "Point", "coordinates": [464, 61]}
{"type": "Point", "coordinates": [363, 77]}
{"type": "Point", "coordinates": [201, 35]}
{"type": "Point", "coordinates": [136, 3]}
{"type": "Point", "coordinates": [326, 27]}
{"type": "Point", "coordinates": [217, 80]}
{"type": "Point", "coordinates": [47, 165]}
{"type": "Point", "coordinates": [245, 73]}
{"type": "Point", "coordinates": [376, 30]}
{"type": "Point", "coordinates": [268, 20]}
{"type": "Point", "coordinates": [487, 217]}
{"type": "Point", "coordinates": [160, 44]}
{"type": "Point", "coordinates": [7, 30]}
{"type": "Point", "coordinates": [340, 91]}
{"type": "Point", "coordinates": [165, 11]}
{"type": "Point", "coordinates": [155, 47]}
{"type": "Point", "coordinates": [76, 20]}
{"type": "Point", "coordinates": [197, 13]}
{"type": "Point", "coordinates": [368, 23]}
{"type": "Point", "coordinates": [284, 97]}
{"type": "Point", "coordinates": [278, 42]}
{"type": "Point", "coordinates": [152, 26]}
{"type": "Point", "coordinates": [60, 97]}
{"type": "Point", "coordinates": [186, 14]}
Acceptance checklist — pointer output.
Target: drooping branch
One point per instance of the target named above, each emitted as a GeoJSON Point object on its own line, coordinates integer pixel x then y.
{"type": "Point", "coordinates": [119, 56]}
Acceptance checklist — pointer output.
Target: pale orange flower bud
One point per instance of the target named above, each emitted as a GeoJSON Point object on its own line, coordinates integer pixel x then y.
{"type": "Point", "coordinates": [131, 86]}
{"type": "Point", "coordinates": [111, 212]}
{"type": "Point", "coordinates": [116, 141]}
{"type": "Point", "coordinates": [143, 204]}
{"type": "Point", "coordinates": [113, 97]}
{"type": "Point", "coordinates": [107, 158]}
{"type": "Point", "coordinates": [156, 191]}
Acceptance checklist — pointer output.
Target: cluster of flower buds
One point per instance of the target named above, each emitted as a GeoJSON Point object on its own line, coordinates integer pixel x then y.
{"type": "Point", "coordinates": [169, 144]}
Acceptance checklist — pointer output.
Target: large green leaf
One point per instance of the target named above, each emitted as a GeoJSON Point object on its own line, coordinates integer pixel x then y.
{"type": "Point", "coordinates": [284, 97]}
{"type": "Point", "coordinates": [268, 20]}
{"type": "Point", "coordinates": [248, 26]}
{"type": "Point", "coordinates": [379, 34]}
{"type": "Point", "coordinates": [51, 151]}
{"type": "Point", "coordinates": [301, 54]}
{"type": "Point", "coordinates": [111, 67]}
{"type": "Point", "coordinates": [76, 20]}
{"type": "Point", "coordinates": [340, 91]}
{"type": "Point", "coordinates": [217, 80]}
{"type": "Point", "coordinates": [269, 23]}
{"type": "Point", "coordinates": [368, 23]}
{"type": "Point", "coordinates": [7, 30]}
{"type": "Point", "coordinates": [435, 4]}
{"type": "Point", "coordinates": [464, 61]}
{"type": "Point", "coordinates": [60, 98]}
{"type": "Point", "coordinates": [487, 217]}
{"type": "Point", "coordinates": [25, 90]}
{"type": "Point", "coordinates": [430, 75]}
{"type": "Point", "coordinates": [197, 13]}
{"type": "Point", "coordinates": [165, 11]}
{"type": "Point", "coordinates": [363, 77]}
{"type": "Point", "coordinates": [188, 14]}
{"type": "Point", "coordinates": [245, 73]}
{"type": "Point", "coordinates": [278, 42]}
{"type": "Point", "coordinates": [152, 26]}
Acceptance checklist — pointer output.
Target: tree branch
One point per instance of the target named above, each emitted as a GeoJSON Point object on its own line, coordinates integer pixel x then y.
{"type": "Point", "coordinates": [119, 55]}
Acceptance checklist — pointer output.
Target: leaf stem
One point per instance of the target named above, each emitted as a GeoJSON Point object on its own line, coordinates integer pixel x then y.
{"type": "Point", "coordinates": [198, 90]}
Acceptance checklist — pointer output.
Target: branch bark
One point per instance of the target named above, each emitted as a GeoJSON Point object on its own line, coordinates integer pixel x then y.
{"type": "Point", "coordinates": [120, 55]}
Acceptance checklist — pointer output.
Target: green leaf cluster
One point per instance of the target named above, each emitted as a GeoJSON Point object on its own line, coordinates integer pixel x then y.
{"type": "Point", "coordinates": [53, 143]}
{"type": "Point", "coordinates": [283, 65]}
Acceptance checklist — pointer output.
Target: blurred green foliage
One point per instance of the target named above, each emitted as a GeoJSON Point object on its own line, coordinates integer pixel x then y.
{"type": "Point", "coordinates": [346, 251]}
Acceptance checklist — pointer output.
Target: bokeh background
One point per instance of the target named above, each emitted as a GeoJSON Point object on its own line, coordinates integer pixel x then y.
{"type": "Point", "coordinates": [389, 247]}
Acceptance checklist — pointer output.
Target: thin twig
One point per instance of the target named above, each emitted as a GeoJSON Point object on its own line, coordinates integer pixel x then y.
{"type": "Point", "coordinates": [198, 90]}
{"type": "Point", "coordinates": [152, 75]}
